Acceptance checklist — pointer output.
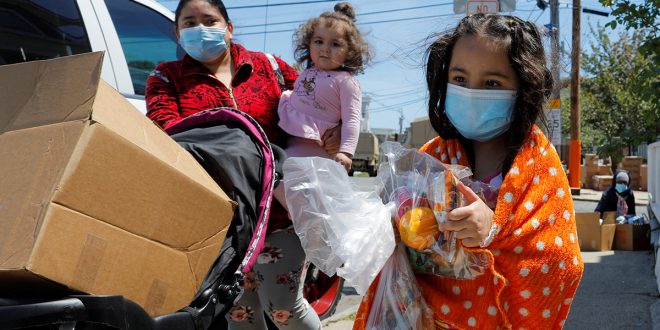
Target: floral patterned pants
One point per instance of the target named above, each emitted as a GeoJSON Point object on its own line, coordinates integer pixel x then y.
{"type": "Point", "coordinates": [274, 286]}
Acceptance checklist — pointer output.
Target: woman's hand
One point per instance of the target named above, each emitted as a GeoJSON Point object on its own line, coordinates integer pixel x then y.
{"type": "Point", "coordinates": [471, 223]}
{"type": "Point", "coordinates": [331, 139]}
{"type": "Point", "coordinates": [344, 159]}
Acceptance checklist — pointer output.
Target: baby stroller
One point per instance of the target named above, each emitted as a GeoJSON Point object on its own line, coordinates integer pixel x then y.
{"type": "Point", "coordinates": [228, 143]}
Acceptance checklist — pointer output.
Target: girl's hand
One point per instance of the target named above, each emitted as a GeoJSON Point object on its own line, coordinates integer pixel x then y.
{"type": "Point", "coordinates": [472, 223]}
{"type": "Point", "coordinates": [331, 139]}
{"type": "Point", "coordinates": [344, 160]}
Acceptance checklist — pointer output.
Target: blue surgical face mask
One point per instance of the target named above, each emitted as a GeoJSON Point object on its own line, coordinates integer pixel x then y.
{"type": "Point", "coordinates": [479, 114]}
{"type": "Point", "coordinates": [621, 187]}
{"type": "Point", "coordinates": [203, 43]}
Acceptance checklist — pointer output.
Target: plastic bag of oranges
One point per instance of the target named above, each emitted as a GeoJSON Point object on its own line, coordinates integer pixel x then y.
{"type": "Point", "coordinates": [424, 191]}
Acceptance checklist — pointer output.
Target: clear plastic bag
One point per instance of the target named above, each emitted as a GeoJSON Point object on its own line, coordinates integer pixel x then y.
{"type": "Point", "coordinates": [398, 302]}
{"type": "Point", "coordinates": [342, 229]}
{"type": "Point", "coordinates": [423, 191]}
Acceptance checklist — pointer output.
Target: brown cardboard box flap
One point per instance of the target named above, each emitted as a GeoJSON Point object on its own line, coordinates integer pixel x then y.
{"type": "Point", "coordinates": [66, 91]}
{"type": "Point", "coordinates": [587, 218]}
{"type": "Point", "coordinates": [115, 112]}
{"type": "Point", "coordinates": [104, 165]}
{"type": "Point", "coordinates": [609, 218]}
{"type": "Point", "coordinates": [38, 158]}
{"type": "Point", "coordinates": [592, 236]}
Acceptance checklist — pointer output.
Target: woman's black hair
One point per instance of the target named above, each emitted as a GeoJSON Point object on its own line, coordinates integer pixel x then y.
{"type": "Point", "coordinates": [215, 3]}
{"type": "Point", "coordinates": [522, 41]}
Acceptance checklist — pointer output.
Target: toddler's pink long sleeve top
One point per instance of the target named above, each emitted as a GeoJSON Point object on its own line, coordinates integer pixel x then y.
{"type": "Point", "coordinates": [319, 101]}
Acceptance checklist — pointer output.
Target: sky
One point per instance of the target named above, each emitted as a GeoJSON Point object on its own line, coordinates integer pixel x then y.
{"type": "Point", "coordinates": [398, 32]}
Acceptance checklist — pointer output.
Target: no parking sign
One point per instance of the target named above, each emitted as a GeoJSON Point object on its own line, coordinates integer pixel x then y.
{"type": "Point", "coordinates": [470, 7]}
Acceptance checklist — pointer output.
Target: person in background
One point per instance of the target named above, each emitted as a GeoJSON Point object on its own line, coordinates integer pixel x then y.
{"type": "Point", "coordinates": [618, 198]}
{"type": "Point", "coordinates": [487, 82]}
{"type": "Point", "coordinates": [218, 72]}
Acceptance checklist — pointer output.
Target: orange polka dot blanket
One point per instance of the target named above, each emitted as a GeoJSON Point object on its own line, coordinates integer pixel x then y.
{"type": "Point", "coordinates": [535, 258]}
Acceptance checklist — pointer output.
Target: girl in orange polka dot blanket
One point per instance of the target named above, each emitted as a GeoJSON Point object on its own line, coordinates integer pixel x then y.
{"type": "Point", "coordinates": [487, 82]}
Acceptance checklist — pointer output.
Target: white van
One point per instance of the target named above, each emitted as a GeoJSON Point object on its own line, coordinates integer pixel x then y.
{"type": "Point", "coordinates": [135, 34]}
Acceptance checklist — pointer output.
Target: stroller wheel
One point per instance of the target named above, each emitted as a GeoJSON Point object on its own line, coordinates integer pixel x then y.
{"type": "Point", "coordinates": [322, 292]}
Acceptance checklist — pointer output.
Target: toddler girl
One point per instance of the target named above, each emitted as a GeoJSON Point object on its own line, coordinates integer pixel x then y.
{"type": "Point", "coordinates": [326, 93]}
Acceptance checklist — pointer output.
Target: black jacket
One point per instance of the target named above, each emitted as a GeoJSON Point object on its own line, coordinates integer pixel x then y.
{"type": "Point", "coordinates": [609, 199]}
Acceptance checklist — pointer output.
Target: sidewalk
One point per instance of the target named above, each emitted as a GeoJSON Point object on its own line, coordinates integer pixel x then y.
{"type": "Point", "coordinates": [341, 321]}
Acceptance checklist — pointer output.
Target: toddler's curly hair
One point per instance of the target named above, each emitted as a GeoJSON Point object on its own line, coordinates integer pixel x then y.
{"type": "Point", "coordinates": [358, 55]}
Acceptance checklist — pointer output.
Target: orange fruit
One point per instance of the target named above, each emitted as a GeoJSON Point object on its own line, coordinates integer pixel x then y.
{"type": "Point", "coordinates": [418, 228]}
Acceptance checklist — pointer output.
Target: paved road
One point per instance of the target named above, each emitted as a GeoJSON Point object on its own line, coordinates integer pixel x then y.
{"type": "Point", "coordinates": [616, 291]}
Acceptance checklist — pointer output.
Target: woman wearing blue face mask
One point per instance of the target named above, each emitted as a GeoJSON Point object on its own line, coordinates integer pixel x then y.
{"type": "Point", "coordinates": [618, 198]}
{"type": "Point", "coordinates": [217, 72]}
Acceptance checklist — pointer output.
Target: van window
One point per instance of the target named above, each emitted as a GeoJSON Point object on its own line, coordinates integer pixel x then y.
{"type": "Point", "coordinates": [40, 30]}
{"type": "Point", "coordinates": [146, 36]}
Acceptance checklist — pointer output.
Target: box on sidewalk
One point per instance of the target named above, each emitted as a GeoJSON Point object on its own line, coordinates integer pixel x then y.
{"type": "Point", "coordinates": [591, 159]}
{"type": "Point", "coordinates": [601, 182]}
{"type": "Point", "coordinates": [604, 170]}
{"type": "Point", "coordinates": [592, 236]}
{"type": "Point", "coordinates": [644, 178]}
{"type": "Point", "coordinates": [632, 237]}
{"type": "Point", "coordinates": [94, 196]}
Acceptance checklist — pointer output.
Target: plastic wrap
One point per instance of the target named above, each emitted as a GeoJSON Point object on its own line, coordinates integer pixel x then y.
{"type": "Point", "coordinates": [424, 190]}
{"type": "Point", "coordinates": [398, 302]}
{"type": "Point", "coordinates": [342, 229]}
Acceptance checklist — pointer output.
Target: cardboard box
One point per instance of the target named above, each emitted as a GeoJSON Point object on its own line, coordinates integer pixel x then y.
{"type": "Point", "coordinates": [644, 178]}
{"type": "Point", "coordinates": [604, 170]}
{"type": "Point", "coordinates": [591, 159]}
{"type": "Point", "coordinates": [632, 161]}
{"type": "Point", "coordinates": [94, 196]}
{"type": "Point", "coordinates": [601, 182]}
{"type": "Point", "coordinates": [592, 236]}
{"type": "Point", "coordinates": [632, 237]}
{"type": "Point", "coordinates": [584, 178]}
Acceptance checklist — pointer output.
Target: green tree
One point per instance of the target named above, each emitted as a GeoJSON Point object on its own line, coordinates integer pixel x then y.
{"type": "Point", "coordinates": [619, 107]}
{"type": "Point", "coordinates": [638, 16]}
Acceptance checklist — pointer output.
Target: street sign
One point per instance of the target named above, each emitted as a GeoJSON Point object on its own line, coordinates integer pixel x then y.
{"type": "Point", "coordinates": [485, 7]}
{"type": "Point", "coordinates": [460, 6]}
{"type": "Point", "coordinates": [553, 119]}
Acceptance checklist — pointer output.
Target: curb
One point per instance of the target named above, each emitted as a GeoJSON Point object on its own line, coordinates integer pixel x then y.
{"type": "Point", "coordinates": [353, 309]}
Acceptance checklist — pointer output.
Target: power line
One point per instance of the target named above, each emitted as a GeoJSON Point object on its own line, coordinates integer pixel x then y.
{"type": "Point", "coordinates": [365, 23]}
{"type": "Point", "coordinates": [359, 14]}
{"type": "Point", "coordinates": [398, 105]}
{"type": "Point", "coordinates": [267, 5]}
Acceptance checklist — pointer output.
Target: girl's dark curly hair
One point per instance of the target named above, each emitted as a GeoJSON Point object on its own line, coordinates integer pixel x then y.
{"type": "Point", "coordinates": [358, 55]}
{"type": "Point", "coordinates": [522, 41]}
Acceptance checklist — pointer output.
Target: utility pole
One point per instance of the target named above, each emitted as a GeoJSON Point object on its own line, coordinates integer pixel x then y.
{"type": "Point", "coordinates": [554, 61]}
{"type": "Point", "coordinates": [576, 145]}
{"type": "Point", "coordinates": [400, 121]}
{"type": "Point", "coordinates": [554, 105]}
{"type": "Point", "coordinates": [552, 109]}
{"type": "Point", "coordinates": [364, 125]}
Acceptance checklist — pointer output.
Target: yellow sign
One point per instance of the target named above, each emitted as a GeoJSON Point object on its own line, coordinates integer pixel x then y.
{"type": "Point", "coordinates": [553, 104]}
